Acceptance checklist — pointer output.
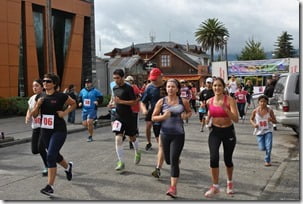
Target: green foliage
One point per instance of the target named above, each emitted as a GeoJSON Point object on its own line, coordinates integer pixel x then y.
{"type": "Point", "coordinates": [252, 51]}
{"type": "Point", "coordinates": [284, 46]}
{"type": "Point", "coordinates": [106, 100]}
{"type": "Point", "coordinates": [13, 106]}
{"type": "Point", "coordinates": [210, 35]}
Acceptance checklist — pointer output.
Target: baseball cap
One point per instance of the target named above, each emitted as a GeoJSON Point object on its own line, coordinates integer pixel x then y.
{"type": "Point", "coordinates": [129, 78]}
{"type": "Point", "coordinates": [182, 81]}
{"type": "Point", "coordinates": [210, 80]}
{"type": "Point", "coordinates": [88, 80]}
{"type": "Point", "coordinates": [154, 73]}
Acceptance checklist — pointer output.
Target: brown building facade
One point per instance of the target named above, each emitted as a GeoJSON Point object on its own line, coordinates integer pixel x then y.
{"type": "Point", "coordinates": [41, 36]}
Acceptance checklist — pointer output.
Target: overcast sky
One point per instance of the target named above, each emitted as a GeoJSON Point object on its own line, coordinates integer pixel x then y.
{"type": "Point", "coordinates": [120, 22]}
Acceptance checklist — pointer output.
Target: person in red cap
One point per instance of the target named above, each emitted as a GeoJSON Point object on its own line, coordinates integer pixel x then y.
{"type": "Point", "coordinates": [148, 101]}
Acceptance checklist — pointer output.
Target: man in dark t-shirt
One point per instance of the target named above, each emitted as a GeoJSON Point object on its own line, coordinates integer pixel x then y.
{"type": "Point", "coordinates": [206, 94]}
{"type": "Point", "coordinates": [124, 119]}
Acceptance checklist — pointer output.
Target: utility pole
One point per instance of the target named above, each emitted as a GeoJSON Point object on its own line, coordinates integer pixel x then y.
{"type": "Point", "coordinates": [49, 31]}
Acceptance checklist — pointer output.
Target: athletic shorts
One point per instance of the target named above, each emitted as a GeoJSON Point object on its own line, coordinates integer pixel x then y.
{"type": "Point", "coordinates": [128, 126]}
{"type": "Point", "coordinates": [89, 114]}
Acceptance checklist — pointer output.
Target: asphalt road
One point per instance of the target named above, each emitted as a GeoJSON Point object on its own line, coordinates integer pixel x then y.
{"type": "Point", "coordinates": [95, 178]}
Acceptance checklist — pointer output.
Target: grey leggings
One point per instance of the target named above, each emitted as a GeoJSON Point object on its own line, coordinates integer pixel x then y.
{"type": "Point", "coordinates": [218, 135]}
{"type": "Point", "coordinates": [172, 148]}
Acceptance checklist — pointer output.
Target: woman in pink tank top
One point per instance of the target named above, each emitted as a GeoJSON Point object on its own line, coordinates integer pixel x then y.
{"type": "Point", "coordinates": [222, 112]}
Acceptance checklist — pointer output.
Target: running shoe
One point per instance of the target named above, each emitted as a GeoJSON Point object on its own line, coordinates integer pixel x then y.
{"type": "Point", "coordinates": [45, 172]}
{"type": "Point", "coordinates": [230, 188]}
{"type": "Point", "coordinates": [211, 192]}
{"type": "Point", "coordinates": [120, 166]}
{"type": "Point", "coordinates": [137, 157]}
{"type": "Point", "coordinates": [172, 192]}
{"type": "Point", "coordinates": [156, 173]}
{"type": "Point", "coordinates": [267, 164]}
{"type": "Point", "coordinates": [131, 146]}
{"type": "Point", "coordinates": [69, 173]}
{"type": "Point", "coordinates": [90, 139]}
{"type": "Point", "coordinates": [47, 190]}
{"type": "Point", "coordinates": [148, 147]}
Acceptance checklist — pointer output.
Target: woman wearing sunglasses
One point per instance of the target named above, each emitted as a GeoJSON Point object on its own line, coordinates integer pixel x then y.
{"type": "Point", "coordinates": [50, 106]}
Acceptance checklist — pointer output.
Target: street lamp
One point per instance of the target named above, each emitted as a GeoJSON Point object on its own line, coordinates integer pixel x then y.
{"type": "Point", "coordinates": [225, 38]}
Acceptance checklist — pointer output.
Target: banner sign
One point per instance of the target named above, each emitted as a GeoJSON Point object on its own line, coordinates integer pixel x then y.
{"type": "Point", "coordinates": [294, 65]}
{"type": "Point", "coordinates": [219, 70]}
{"type": "Point", "coordinates": [258, 67]}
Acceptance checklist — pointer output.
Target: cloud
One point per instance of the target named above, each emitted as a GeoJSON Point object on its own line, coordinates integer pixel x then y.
{"type": "Point", "coordinates": [120, 23]}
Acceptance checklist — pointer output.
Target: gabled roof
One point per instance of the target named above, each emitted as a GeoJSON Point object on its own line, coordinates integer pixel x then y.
{"type": "Point", "coordinates": [152, 47]}
{"type": "Point", "coordinates": [186, 57]}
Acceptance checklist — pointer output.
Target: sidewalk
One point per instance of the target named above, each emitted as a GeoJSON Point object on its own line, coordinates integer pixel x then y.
{"type": "Point", "coordinates": [22, 132]}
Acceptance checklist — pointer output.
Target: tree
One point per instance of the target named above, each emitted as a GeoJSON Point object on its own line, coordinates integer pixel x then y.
{"type": "Point", "coordinates": [210, 35]}
{"type": "Point", "coordinates": [252, 51]}
{"type": "Point", "coordinates": [284, 47]}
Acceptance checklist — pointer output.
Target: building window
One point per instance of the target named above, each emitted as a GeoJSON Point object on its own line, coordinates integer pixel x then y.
{"type": "Point", "coordinates": [165, 60]}
{"type": "Point", "coordinates": [39, 35]}
{"type": "Point", "coordinates": [62, 25]}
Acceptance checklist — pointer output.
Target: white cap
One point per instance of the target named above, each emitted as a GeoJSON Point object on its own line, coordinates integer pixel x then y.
{"type": "Point", "coordinates": [209, 79]}
{"type": "Point", "coordinates": [129, 78]}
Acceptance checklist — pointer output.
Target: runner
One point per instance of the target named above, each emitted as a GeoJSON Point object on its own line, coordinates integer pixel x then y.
{"type": "Point", "coordinates": [171, 111]}
{"type": "Point", "coordinates": [37, 144]}
{"type": "Point", "coordinates": [206, 94]}
{"type": "Point", "coordinates": [222, 111]}
{"type": "Point", "coordinates": [262, 119]}
{"type": "Point", "coordinates": [125, 121]}
{"type": "Point", "coordinates": [50, 105]}
{"type": "Point", "coordinates": [89, 98]}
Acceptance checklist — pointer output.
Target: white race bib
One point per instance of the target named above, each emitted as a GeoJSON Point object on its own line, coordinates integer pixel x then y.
{"type": "Point", "coordinates": [48, 121]}
{"type": "Point", "coordinates": [183, 94]}
{"type": "Point", "coordinates": [263, 124]}
{"type": "Point", "coordinates": [36, 122]}
{"type": "Point", "coordinates": [240, 96]}
{"type": "Point", "coordinates": [116, 126]}
{"type": "Point", "coordinates": [87, 102]}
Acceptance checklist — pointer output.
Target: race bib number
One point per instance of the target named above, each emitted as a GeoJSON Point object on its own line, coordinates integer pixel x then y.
{"type": "Point", "coordinates": [263, 124]}
{"type": "Point", "coordinates": [87, 102]}
{"type": "Point", "coordinates": [116, 126]}
{"type": "Point", "coordinates": [48, 121]}
{"type": "Point", "coordinates": [36, 122]}
{"type": "Point", "coordinates": [183, 94]}
{"type": "Point", "coordinates": [240, 96]}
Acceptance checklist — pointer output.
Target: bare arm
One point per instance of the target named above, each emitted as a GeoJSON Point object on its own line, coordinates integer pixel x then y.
{"type": "Point", "coordinates": [120, 101]}
{"type": "Point", "coordinates": [187, 114]}
{"type": "Point", "coordinates": [252, 119]}
{"type": "Point", "coordinates": [233, 113]}
{"type": "Point", "coordinates": [272, 117]}
{"type": "Point", "coordinates": [156, 117]}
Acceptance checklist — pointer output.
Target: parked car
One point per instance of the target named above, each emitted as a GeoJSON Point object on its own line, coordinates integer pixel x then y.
{"type": "Point", "coordinates": [286, 101]}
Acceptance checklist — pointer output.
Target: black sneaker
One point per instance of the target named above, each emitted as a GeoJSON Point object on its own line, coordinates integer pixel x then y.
{"type": "Point", "coordinates": [156, 173]}
{"type": "Point", "coordinates": [45, 172]}
{"type": "Point", "coordinates": [48, 190]}
{"type": "Point", "coordinates": [148, 146]}
{"type": "Point", "coordinates": [131, 146]}
{"type": "Point", "coordinates": [69, 173]}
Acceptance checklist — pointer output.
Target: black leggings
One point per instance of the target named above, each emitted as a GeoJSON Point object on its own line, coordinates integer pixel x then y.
{"type": "Point", "coordinates": [172, 148]}
{"type": "Point", "coordinates": [228, 137]}
{"type": "Point", "coordinates": [38, 145]}
{"type": "Point", "coordinates": [193, 104]}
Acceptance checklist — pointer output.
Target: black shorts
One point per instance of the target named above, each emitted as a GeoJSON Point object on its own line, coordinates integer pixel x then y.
{"type": "Point", "coordinates": [129, 126]}
{"type": "Point", "coordinates": [149, 115]}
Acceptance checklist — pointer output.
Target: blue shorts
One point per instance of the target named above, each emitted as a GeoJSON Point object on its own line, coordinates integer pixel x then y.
{"type": "Point", "coordinates": [89, 114]}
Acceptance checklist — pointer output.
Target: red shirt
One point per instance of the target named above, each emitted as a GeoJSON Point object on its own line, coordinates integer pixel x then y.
{"type": "Point", "coordinates": [241, 96]}
{"type": "Point", "coordinates": [136, 107]}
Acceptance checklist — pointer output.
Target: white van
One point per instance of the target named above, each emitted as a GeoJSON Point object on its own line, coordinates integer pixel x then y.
{"type": "Point", "coordinates": [286, 101]}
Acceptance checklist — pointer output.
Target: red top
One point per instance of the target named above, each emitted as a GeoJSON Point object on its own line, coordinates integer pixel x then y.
{"type": "Point", "coordinates": [241, 96]}
{"type": "Point", "coordinates": [217, 111]}
{"type": "Point", "coordinates": [136, 107]}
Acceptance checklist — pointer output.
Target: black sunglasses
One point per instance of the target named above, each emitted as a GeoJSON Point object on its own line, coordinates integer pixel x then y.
{"type": "Point", "coordinates": [47, 81]}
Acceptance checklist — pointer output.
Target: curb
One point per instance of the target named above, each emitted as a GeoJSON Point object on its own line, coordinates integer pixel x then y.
{"type": "Point", "coordinates": [29, 139]}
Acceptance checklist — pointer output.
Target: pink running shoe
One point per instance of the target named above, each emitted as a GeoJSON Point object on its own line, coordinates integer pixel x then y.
{"type": "Point", "coordinates": [172, 192]}
{"type": "Point", "coordinates": [230, 188]}
{"type": "Point", "coordinates": [211, 192]}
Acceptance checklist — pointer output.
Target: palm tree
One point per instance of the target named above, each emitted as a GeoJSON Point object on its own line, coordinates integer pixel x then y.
{"type": "Point", "coordinates": [210, 35]}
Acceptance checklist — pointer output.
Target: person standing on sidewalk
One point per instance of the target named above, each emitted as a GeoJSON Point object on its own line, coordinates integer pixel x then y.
{"type": "Point", "coordinates": [222, 111]}
{"type": "Point", "coordinates": [89, 98]}
{"type": "Point", "coordinates": [72, 93]}
{"type": "Point", "coordinates": [125, 121]}
{"type": "Point", "coordinates": [262, 119]}
{"type": "Point", "coordinates": [50, 105]}
{"type": "Point", "coordinates": [36, 142]}
{"type": "Point", "coordinates": [171, 110]}
{"type": "Point", "coordinates": [149, 99]}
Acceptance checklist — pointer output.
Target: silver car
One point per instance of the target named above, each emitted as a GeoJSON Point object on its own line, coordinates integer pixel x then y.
{"type": "Point", "coordinates": [286, 101]}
